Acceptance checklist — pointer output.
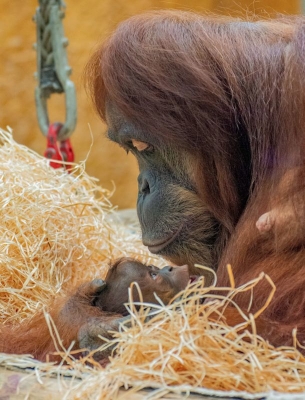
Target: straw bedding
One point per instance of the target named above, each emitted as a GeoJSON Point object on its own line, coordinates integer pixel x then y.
{"type": "Point", "coordinates": [57, 229]}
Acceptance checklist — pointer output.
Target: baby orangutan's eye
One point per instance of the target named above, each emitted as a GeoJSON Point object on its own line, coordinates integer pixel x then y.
{"type": "Point", "coordinates": [153, 274]}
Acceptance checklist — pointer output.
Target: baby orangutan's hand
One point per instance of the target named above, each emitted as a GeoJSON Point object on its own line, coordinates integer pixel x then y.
{"type": "Point", "coordinates": [90, 290]}
{"type": "Point", "coordinates": [98, 332]}
{"type": "Point", "coordinates": [286, 224]}
{"type": "Point", "coordinates": [284, 217]}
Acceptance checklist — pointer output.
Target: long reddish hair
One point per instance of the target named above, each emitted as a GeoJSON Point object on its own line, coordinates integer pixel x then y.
{"type": "Point", "coordinates": [230, 90]}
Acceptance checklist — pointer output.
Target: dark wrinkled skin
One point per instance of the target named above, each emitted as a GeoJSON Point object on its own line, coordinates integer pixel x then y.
{"type": "Point", "coordinates": [174, 221]}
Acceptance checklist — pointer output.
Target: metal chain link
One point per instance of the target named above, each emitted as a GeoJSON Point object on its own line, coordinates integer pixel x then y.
{"type": "Point", "coordinates": [52, 66]}
{"type": "Point", "coordinates": [48, 79]}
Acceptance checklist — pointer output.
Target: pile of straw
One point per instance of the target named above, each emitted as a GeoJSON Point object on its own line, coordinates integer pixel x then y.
{"type": "Point", "coordinates": [183, 349]}
{"type": "Point", "coordinates": [57, 229]}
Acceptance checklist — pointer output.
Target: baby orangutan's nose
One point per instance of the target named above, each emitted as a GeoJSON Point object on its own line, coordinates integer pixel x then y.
{"type": "Point", "coordinates": [167, 269]}
{"type": "Point", "coordinates": [173, 270]}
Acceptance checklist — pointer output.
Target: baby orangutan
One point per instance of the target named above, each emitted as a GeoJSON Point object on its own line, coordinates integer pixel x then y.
{"type": "Point", "coordinates": [95, 308]}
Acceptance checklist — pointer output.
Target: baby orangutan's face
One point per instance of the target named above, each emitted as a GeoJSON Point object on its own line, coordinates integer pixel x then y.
{"type": "Point", "coordinates": [165, 283]}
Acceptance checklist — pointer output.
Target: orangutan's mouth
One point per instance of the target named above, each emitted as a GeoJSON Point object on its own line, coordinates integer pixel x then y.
{"type": "Point", "coordinates": [156, 247]}
{"type": "Point", "coordinates": [193, 278]}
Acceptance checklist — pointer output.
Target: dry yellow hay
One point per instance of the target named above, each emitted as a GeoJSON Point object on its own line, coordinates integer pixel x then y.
{"type": "Point", "coordinates": [57, 228]}
{"type": "Point", "coordinates": [181, 350]}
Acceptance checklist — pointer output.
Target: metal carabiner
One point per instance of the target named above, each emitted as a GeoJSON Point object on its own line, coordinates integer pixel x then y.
{"type": "Point", "coordinates": [52, 67]}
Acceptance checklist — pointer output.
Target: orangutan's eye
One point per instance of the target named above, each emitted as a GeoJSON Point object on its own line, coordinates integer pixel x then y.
{"type": "Point", "coordinates": [141, 146]}
{"type": "Point", "coordinates": [153, 274]}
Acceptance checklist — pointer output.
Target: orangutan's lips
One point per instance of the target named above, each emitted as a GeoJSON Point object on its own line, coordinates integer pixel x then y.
{"type": "Point", "coordinates": [158, 246]}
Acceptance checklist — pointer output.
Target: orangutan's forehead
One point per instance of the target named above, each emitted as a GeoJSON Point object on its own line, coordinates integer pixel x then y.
{"type": "Point", "coordinates": [133, 269]}
{"type": "Point", "coordinates": [120, 129]}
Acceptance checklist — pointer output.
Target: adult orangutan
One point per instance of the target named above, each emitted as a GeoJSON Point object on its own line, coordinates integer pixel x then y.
{"type": "Point", "coordinates": [213, 110]}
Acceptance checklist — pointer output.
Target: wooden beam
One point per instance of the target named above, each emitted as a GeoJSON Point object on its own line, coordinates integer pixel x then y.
{"type": "Point", "coordinates": [19, 385]}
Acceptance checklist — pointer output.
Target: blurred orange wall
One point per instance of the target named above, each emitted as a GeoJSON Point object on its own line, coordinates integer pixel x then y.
{"type": "Point", "coordinates": [86, 24]}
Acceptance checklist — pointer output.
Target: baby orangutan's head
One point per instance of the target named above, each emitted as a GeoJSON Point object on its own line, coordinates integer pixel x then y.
{"type": "Point", "coordinates": [164, 283]}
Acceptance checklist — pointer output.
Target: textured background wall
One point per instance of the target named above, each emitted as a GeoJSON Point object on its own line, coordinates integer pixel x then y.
{"type": "Point", "coordinates": [87, 22]}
